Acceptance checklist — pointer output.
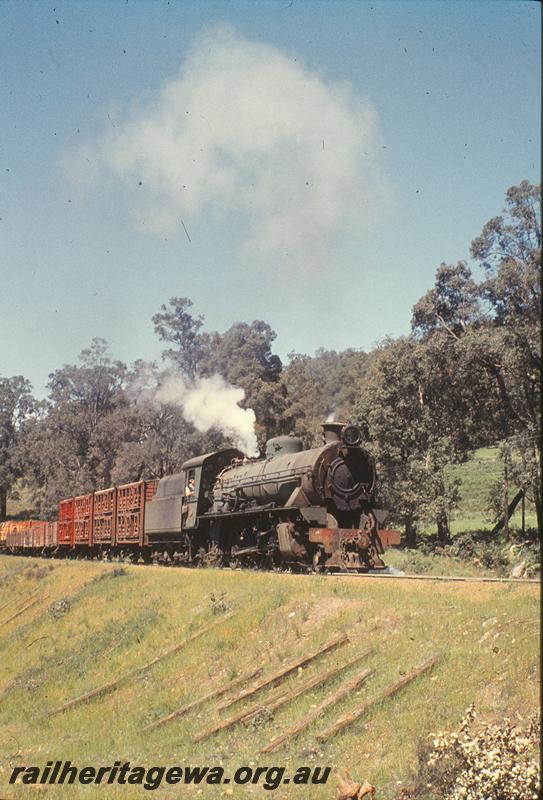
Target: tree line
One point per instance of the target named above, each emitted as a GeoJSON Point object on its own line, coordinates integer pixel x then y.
{"type": "Point", "coordinates": [467, 375]}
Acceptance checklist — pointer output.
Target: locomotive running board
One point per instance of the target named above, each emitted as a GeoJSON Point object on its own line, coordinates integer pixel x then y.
{"type": "Point", "coordinates": [310, 513]}
{"type": "Point", "coordinates": [246, 512]}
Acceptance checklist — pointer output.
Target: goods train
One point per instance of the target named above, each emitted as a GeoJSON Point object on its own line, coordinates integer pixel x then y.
{"type": "Point", "coordinates": [300, 509]}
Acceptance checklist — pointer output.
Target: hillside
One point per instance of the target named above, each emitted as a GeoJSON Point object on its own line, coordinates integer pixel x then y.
{"type": "Point", "coordinates": [112, 619]}
{"type": "Point", "coordinates": [477, 477]}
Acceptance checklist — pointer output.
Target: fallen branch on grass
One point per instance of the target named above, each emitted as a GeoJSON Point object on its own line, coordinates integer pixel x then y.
{"type": "Point", "coordinates": [277, 700]}
{"type": "Point", "coordinates": [181, 712]}
{"type": "Point", "coordinates": [108, 687]}
{"type": "Point", "coordinates": [278, 676]}
{"type": "Point", "coordinates": [36, 640]}
{"type": "Point", "coordinates": [347, 789]}
{"type": "Point", "coordinates": [25, 600]}
{"type": "Point", "coordinates": [22, 610]}
{"type": "Point", "coordinates": [357, 712]}
{"type": "Point", "coordinates": [315, 713]}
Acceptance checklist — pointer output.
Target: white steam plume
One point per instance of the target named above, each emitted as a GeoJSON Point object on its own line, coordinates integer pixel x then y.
{"type": "Point", "coordinates": [212, 403]}
{"type": "Point", "coordinates": [249, 131]}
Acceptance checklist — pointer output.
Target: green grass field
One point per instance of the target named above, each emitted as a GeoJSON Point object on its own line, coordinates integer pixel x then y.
{"type": "Point", "coordinates": [20, 502]}
{"type": "Point", "coordinates": [487, 634]}
{"type": "Point", "coordinates": [477, 476]}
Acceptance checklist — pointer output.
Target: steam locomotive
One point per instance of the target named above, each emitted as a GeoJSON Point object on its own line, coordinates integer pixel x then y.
{"type": "Point", "coordinates": [294, 508]}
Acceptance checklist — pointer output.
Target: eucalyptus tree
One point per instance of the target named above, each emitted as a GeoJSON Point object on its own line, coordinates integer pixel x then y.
{"type": "Point", "coordinates": [492, 326]}
{"type": "Point", "coordinates": [17, 406]}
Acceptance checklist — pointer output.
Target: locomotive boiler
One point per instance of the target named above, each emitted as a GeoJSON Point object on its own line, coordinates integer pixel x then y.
{"type": "Point", "coordinates": [301, 507]}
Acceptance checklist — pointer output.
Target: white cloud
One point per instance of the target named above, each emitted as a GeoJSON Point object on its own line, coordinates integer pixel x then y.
{"type": "Point", "coordinates": [247, 130]}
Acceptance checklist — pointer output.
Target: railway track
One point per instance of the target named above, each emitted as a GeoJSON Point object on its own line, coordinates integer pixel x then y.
{"type": "Point", "coordinates": [446, 578]}
{"type": "Point", "coordinates": [377, 575]}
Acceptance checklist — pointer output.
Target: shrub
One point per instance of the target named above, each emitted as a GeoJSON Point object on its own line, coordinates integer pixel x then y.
{"type": "Point", "coordinates": [417, 563]}
{"type": "Point", "coordinates": [497, 552]}
{"type": "Point", "coordinates": [59, 608]}
{"type": "Point", "coordinates": [484, 762]}
{"type": "Point", "coordinates": [218, 602]}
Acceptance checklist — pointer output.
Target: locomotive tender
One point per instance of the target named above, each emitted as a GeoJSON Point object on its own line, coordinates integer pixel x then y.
{"type": "Point", "coordinates": [303, 509]}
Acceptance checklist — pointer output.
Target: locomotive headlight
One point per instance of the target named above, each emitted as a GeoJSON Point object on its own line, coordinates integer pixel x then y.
{"type": "Point", "coordinates": [351, 436]}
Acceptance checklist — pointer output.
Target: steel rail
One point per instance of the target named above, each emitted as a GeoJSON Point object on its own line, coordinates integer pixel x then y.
{"type": "Point", "coordinates": [460, 578]}
{"type": "Point", "coordinates": [336, 574]}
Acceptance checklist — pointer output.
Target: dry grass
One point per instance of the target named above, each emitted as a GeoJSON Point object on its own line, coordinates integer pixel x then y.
{"type": "Point", "coordinates": [487, 633]}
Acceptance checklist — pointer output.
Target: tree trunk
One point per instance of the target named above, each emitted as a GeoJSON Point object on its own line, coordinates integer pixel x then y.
{"type": "Point", "coordinates": [443, 531]}
{"type": "Point", "coordinates": [506, 493]}
{"type": "Point", "coordinates": [536, 488]}
{"type": "Point", "coordinates": [538, 510]}
{"type": "Point", "coordinates": [410, 533]}
{"type": "Point", "coordinates": [509, 512]}
{"type": "Point", "coordinates": [3, 504]}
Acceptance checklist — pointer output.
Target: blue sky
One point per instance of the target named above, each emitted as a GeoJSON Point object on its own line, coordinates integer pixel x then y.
{"type": "Point", "coordinates": [322, 157]}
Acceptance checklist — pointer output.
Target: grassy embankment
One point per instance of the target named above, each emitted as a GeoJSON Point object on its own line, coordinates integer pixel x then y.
{"type": "Point", "coordinates": [488, 635]}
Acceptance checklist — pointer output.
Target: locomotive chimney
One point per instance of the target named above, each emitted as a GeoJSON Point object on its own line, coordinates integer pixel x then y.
{"type": "Point", "coordinates": [331, 432]}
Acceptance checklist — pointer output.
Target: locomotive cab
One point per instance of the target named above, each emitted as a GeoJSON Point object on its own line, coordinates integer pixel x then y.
{"type": "Point", "coordinates": [181, 498]}
{"type": "Point", "coordinates": [200, 474]}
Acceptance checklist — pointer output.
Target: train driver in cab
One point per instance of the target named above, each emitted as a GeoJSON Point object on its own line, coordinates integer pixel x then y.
{"type": "Point", "coordinates": [189, 488]}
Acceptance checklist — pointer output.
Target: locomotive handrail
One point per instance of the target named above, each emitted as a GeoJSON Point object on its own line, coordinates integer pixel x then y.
{"type": "Point", "coordinates": [270, 477]}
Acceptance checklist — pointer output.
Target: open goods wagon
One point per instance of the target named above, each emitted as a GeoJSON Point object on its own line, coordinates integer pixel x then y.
{"type": "Point", "coordinates": [109, 517]}
{"type": "Point", "coordinates": [27, 534]}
